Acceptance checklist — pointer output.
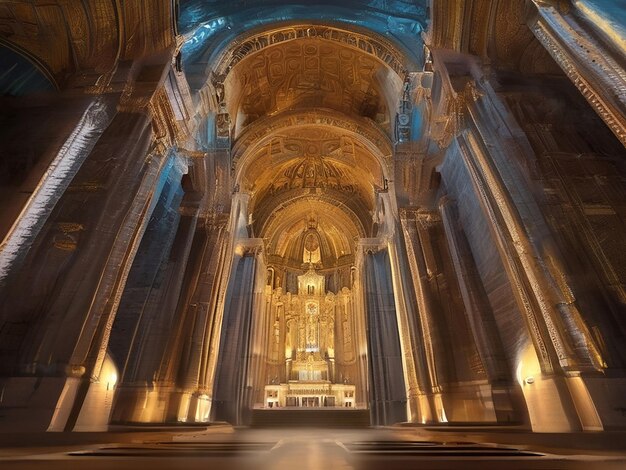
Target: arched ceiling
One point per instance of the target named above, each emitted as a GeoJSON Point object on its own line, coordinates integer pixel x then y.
{"type": "Point", "coordinates": [314, 170]}
{"type": "Point", "coordinates": [209, 26]}
{"type": "Point", "coordinates": [305, 73]}
{"type": "Point", "coordinates": [336, 229]}
{"type": "Point", "coordinates": [311, 157]}
{"type": "Point", "coordinates": [367, 133]}
{"type": "Point", "coordinates": [310, 105]}
{"type": "Point", "coordinates": [88, 37]}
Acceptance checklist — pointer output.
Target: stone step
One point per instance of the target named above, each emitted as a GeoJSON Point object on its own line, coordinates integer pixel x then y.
{"type": "Point", "coordinates": [312, 417]}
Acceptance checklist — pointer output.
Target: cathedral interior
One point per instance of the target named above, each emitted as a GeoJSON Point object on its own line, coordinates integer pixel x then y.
{"type": "Point", "coordinates": [369, 214]}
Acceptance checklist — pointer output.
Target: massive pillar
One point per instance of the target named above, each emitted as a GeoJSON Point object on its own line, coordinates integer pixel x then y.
{"type": "Point", "coordinates": [183, 387]}
{"type": "Point", "coordinates": [189, 359]}
{"type": "Point", "coordinates": [232, 390]}
{"type": "Point", "coordinates": [147, 311]}
{"type": "Point", "coordinates": [480, 319]}
{"type": "Point", "coordinates": [75, 272]}
{"type": "Point", "coordinates": [494, 196]}
{"type": "Point", "coordinates": [387, 391]}
{"type": "Point", "coordinates": [577, 41]}
{"type": "Point", "coordinates": [74, 243]}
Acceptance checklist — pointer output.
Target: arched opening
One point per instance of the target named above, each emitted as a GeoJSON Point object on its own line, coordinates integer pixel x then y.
{"type": "Point", "coordinates": [311, 109]}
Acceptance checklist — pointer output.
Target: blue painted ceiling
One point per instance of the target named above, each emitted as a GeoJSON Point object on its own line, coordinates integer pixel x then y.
{"type": "Point", "coordinates": [19, 76]}
{"type": "Point", "coordinates": [209, 25]}
{"type": "Point", "coordinates": [608, 17]}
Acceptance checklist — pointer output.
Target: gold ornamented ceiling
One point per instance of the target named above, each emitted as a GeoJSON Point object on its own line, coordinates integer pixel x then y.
{"type": "Point", "coordinates": [312, 158]}
{"type": "Point", "coordinates": [311, 118]}
{"type": "Point", "coordinates": [371, 136]}
{"type": "Point", "coordinates": [336, 228]}
{"type": "Point", "coordinates": [376, 47]}
{"type": "Point", "coordinates": [306, 73]}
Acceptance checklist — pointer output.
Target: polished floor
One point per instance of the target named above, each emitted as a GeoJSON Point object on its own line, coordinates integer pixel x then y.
{"type": "Point", "coordinates": [222, 447]}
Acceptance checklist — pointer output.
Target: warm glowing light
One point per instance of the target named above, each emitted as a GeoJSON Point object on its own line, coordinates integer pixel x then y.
{"type": "Point", "coordinates": [112, 380]}
{"type": "Point", "coordinates": [527, 367]}
{"type": "Point", "coordinates": [203, 408]}
{"type": "Point", "coordinates": [441, 412]}
{"type": "Point", "coordinates": [108, 373]}
{"type": "Point", "coordinates": [183, 409]}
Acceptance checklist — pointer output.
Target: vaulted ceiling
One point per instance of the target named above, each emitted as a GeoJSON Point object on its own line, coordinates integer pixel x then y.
{"type": "Point", "coordinates": [311, 117]}
{"type": "Point", "coordinates": [304, 73]}
{"type": "Point", "coordinates": [311, 106]}
{"type": "Point", "coordinates": [311, 88]}
{"type": "Point", "coordinates": [208, 26]}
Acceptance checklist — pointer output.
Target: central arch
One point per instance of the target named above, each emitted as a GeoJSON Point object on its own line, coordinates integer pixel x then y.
{"type": "Point", "coordinates": [310, 110]}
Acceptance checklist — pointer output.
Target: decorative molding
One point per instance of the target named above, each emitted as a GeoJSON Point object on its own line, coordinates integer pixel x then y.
{"type": "Point", "coordinates": [475, 162]}
{"type": "Point", "coordinates": [371, 44]}
{"type": "Point", "coordinates": [366, 132]}
{"type": "Point", "coordinates": [603, 75]}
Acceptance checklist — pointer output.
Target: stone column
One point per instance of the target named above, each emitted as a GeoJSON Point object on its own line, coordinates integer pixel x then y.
{"type": "Point", "coordinates": [595, 69]}
{"type": "Point", "coordinates": [387, 389]}
{"type": "Point", "coordinates": [480, 317]}
{"type": "Point", "coordinates": [197, 339]}
{"type": "Point", "coordinates": [359, 314]}
{"type": "Point", "coordinates": [74, 275]}
{"type": "Point", "coordinates": [148, 311]}
{"type": "Point", "coordinates": [262, 333]}
{"type": "Point", "coordinates": [231, 390]}
{"type": "Point", "coordinates": [415, 369]}
{"type": "Point", "coordinates": [435, 354]}
{"type": "Point", "coordinates": [518, 227]}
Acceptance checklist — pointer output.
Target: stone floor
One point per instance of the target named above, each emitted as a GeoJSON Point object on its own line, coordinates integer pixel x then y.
{"type": "Point", "coordinates": [223, 447]}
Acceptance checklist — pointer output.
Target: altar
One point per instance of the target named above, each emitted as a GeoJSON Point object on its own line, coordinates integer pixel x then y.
{"type": "Point", "coordinates": [309, 395]}
{"type": "Point", "coordinates": [309, 353]}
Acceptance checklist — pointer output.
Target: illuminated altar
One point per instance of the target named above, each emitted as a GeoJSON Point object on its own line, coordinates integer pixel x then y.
{"type": "Point", "coordinates": [309, 350]}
